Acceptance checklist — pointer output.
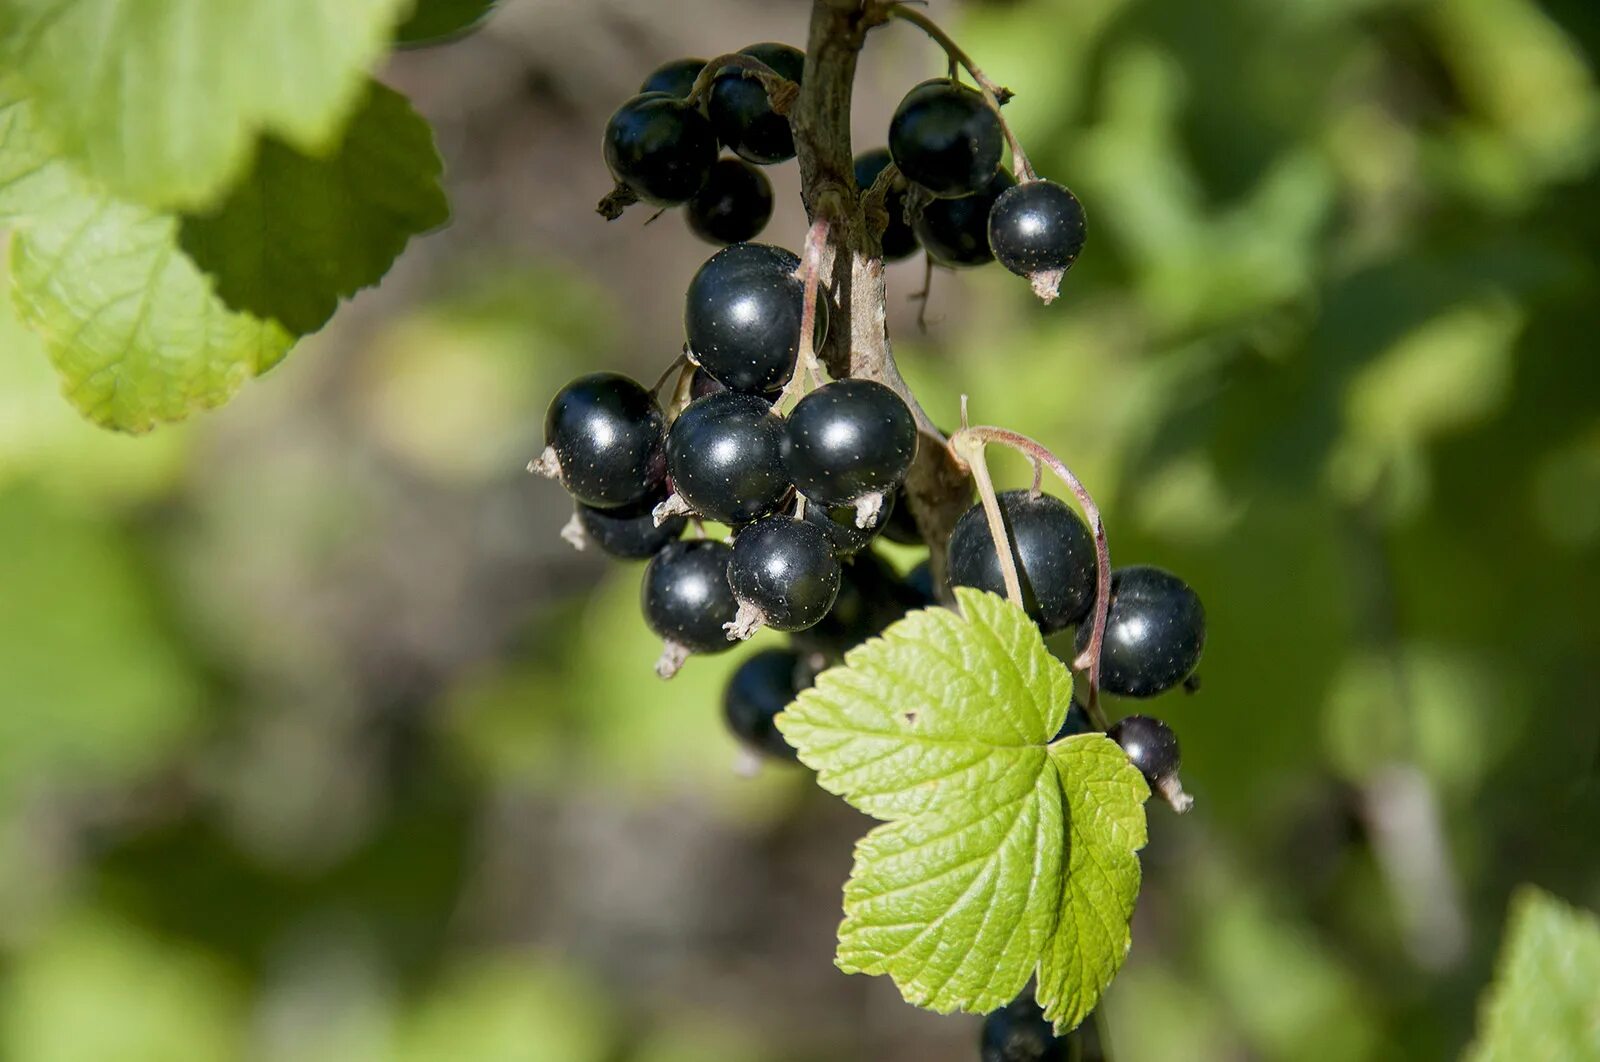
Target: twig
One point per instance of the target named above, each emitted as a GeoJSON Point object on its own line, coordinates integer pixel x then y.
{"type": "Point", "coordinates": [995, 94]}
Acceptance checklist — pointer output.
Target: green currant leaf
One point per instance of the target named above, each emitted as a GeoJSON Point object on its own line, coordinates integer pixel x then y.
{"type": "Point", "coordinates": [162, 102]}
{"type": "Point", "coordinates": [435, 21]}
{"type": "Point", "coordinates": [942, 727]}
{"type": "Point", "coordinates": [134, 329]}
{"type": "Point", "coordinates": [299, 232]}
{"type": "Point", "coordinates": [1544, 1003]}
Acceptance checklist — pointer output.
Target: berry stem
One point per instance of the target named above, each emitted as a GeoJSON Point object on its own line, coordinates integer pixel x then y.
{"type": "Point", "coordinates": [971, 440]}
{"type": "Point", "coordinates": [969, 450]}
{"type": "Point", "coordinates": [994, 93]}
{"type": "Point", "coordinates": [781, 92]}
{"type": "Point", "coordinates": [816, 258]}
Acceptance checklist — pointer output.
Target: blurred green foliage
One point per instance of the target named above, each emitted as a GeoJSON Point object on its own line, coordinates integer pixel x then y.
{"type": "Point", "coordinates": [308, 750]}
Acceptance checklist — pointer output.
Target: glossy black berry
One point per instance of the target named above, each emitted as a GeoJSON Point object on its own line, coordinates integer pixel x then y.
{"type": "Point", "coordinates": [725, 456]}
{"type": "Point", "coordinates": [919, 581]}
{"type": "Point", "coordinates": [898, 240]}
{"type": "Point", "coordinates": [871, 596]}
{"type": "Point", "coordinates": [608, 434]}
{"type": "Point", "coordinates": [1018, 1032]}
{"type": "Point", "coordinates": [848, 439]}
{"type": "Point", "coordinates": [758, 690]}
{"type": "Point", "coordinates": [1052, 548]}
{"type": "Point", "coordinates": [839, 521]}
{"type": "Point", "coordinates": [675, 78]}
{"type": "Point", "coordinates": [660, 147]}
{"type": "Point", "coordinates": [1150, 744]}
{"type": "Point", "coordinates": [630, 532]}
{"type": "Point", "coordinates": [742, 316]}
{"type": "Point", "coordinates": [742, 114]}
{"type": "Point", "coordinates": [1155, 632]}
{"type": "Point", "coordinates": [734, 205]}
{"type": "Point", "coordinates": [955, 232]}
{"type": "Point", "coordinates": [785, 568]}
{"type": "Point", "coordinates": [686, 597]}
{"type": "Point", "coordinates": [945, 137]}
{"type": "Point", "coordinates": [1036, 227]}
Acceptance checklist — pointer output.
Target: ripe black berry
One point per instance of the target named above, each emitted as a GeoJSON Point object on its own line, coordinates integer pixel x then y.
{"type": "Point", "coordinates": [759, 689]}
{"type": "Point", "coordinates": [725, 455]}
{"type": "Point", "coordinates": [945, 137]}
{"type": "Point", "coordinates": [660, 147]}
{"type": "Point", "coordinates": [742, 114]}
{"type": "Point", "coordinates": [1037, 228]}
{"type": "Point", "coordinates": [675, 78]}
{"type": "Point", "coordinates": [955, 232]}
{"type": "Point", "coordinates": [849, 439]}
{"type": "Point", "coordinates": [1052, 548]}
{"type": "Point", "coordinates": [686, 597]}
{"type": "Point", "coordinates": [607, 434]}
{"type": "Point", "coordinates": [1150, 744]}
{"type": "Point", "coordinates": [1155, 632]}
{"type": "Point", "coordinates": [1018, 1032]}
{"type": "Point", "coordinates": [742, 316]}
{"type": "Point", "coordinates": [839, 521]}
{"type": "Point", "coordinates": [785, 569]}
{"type": "Point", "coordinates": [630, 532]}
{"type": "Point", "coordinates": [898, 240]}
{"type": "Point", "coordinates": [733, 205]}
{"type": "Point", "coordinates": [871, 596]}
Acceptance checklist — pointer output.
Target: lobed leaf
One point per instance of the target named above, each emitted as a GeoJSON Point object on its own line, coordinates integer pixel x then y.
{"type": "Point", "coordinates": [1545, 1001]}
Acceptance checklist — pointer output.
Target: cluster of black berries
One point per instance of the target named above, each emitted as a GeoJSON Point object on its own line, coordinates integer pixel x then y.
{"type": "Point", "coordinates": [948, 194]}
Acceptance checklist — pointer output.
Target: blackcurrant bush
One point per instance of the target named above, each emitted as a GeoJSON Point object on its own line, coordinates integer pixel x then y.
{"type": "Point", "coordinates": [1018, 1032]}
{"type": "Point", "coordinates": [1036, 227]}
{"type": "Point", "coordinates": [1155, 632]}
{"type": "Point", "coordinates": [946, 137]}
{"type": "Point", "coordinates": [849, 439]}
{"type": "Point", "coordinates": [758, 690]}
{"type": "Point", "coordinates": [660, 147]}
{"type": "Point", "coordinates": [742, 316]}
{"type": "Point", "coordinates": [630, 531]}
{"type": "Point", "coordinates": [871, 596]}
{"type": "Point", "coordinates": [725, 456]}
{"type": "Point", "coordinates": [742, 114]}
{"type": "Point", "coordinates": [686, 597]}
{"type": "Point", "coordinates": [898, 241]}
{"type": "Point", "coordinates": [675, 78]}
{"type": "Point", "coordinates": [785, 569]}
{"type": "Point", "coordinates": [733, 205]}
{"type": "Point", "coordinates": [607, 433]}
{"type": "Point", "coordinates": [955, 232]}
{"type": "Point", "coordinates": [1150, 744]}
{"type": "Point", "coordinates": [839, 521]}
{"type": "Point", "coordinates": [1052, 548]}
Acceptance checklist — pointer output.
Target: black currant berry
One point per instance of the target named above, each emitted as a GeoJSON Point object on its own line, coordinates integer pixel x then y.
{"type": "Point", "coordinates": [871, 596]}
{"type": "Point", "coordinates": [734, 204]}
{"type": "Point", "coordinates": [1155, 632]}
{"type": "Point", "coordinates": [630, 531]}
{"type": "Point", "coordinates": [839, 521]}
{"type": "Point", "coordinates": [660, 147]}
{"type": "Point", "coordinates": [955, 232]}
{"type": "Point", "coordinates": [1052, 548]}
{"type": "Point", "coordinates": [945, 137]}
{"type": "Point", "coordinates": [725, 455]}
{"type": "Point", "coordinates": [607, 433]}
{"type": "Point", "coordinates": [1150, 744]}
{"type": "Point", "coordinates": [919, 581]}
{"type": "Point", "coordinates": [849, 439]}
{"type": "Point", "coordinates": [785, 569]}
{"type": "Point", "coordinates": [742, 114]}
{"type": "Point", "coordinates": [1018, 1032]}
{"type": "Point", "coordinates": [1036, 230]}
{"type": "Point", "coordinates": [675, 78]}
{"type": "Point", "coordinates": [898, 240]}
{"type": "Point", "coordinates": [758, 690]}
{"type": "Point", "coordinates": [742, 316]}
{"type": "Point", "coordinates": [686, 597]}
